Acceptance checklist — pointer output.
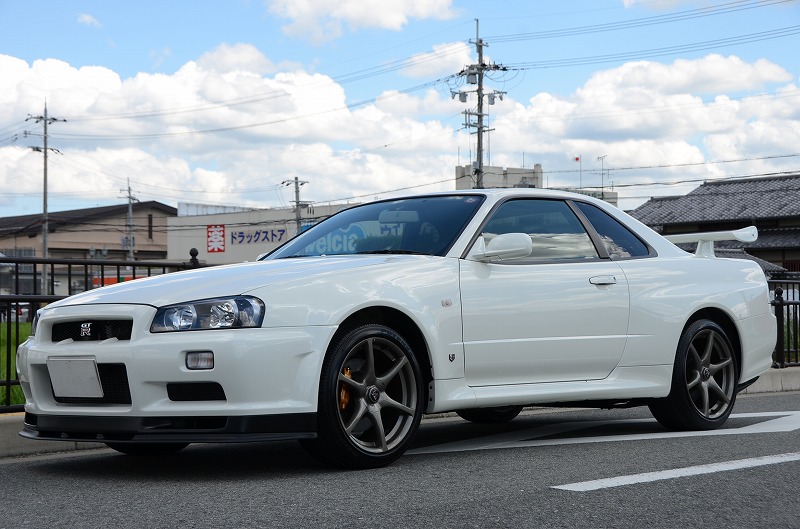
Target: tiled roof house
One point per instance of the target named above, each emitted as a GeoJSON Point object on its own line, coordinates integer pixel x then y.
{"type": "Point", "coordinates": [771, 204]}
{"type": "Point", "coordinates": [73, 234]}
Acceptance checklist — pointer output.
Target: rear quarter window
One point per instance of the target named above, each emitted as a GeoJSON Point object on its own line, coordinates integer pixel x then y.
{"type": "Point", "coordinates": [620, 242]}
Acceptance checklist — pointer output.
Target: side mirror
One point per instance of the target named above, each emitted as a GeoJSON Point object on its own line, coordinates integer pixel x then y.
{"type": "Point", "coordinates": [502, 247]}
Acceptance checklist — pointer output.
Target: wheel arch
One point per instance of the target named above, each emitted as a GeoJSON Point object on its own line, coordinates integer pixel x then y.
{"type": "Point", "coordinates": [721, 318]}
{"type": "Point", "coordinates": [398, 321]}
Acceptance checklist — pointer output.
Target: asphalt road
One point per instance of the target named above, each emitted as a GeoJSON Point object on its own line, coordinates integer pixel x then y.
{"type": "Point", "coordinates": [547, 468]}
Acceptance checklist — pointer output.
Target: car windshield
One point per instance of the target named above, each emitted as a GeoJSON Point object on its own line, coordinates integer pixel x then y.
{"type": "Point", "coordinates": [426, 225]}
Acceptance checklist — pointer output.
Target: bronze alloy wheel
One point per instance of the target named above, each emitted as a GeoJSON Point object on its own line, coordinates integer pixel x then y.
{"type": "Point", "coordinates": [710, 373]}
{"type": "Point", "coordinates": [704, 380]}
{"type": "Point", "coordinates": [371, 399]}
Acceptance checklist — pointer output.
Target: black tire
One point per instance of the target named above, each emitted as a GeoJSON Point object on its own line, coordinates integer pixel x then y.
{"type": "Point", "coordinates": [147, 449]}
{"type": "Point", "coordinates": [497, 415]}
{"type": "Point", "coordinates": [371, 399]}
{"type": "Point", "coordinates": [704, 380]}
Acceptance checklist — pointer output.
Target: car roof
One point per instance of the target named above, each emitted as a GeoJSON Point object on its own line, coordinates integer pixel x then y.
{"type": "Point", "coordinates": [499, 193]}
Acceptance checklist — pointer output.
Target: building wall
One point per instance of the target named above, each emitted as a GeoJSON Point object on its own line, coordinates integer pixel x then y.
{"type": "Point", "coordinates": [235, 237]}
{"type": "Point", "coordinates": [499, 177]}
{"type": "Point", "coordinates": [494, 177]}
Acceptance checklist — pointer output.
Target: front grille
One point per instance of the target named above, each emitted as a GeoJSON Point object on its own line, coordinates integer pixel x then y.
{"type": "Point", "coordinates": [114, 380]}
{"type": "Point", "coordinates": [193, 391]}
{"type": "Point", "coordinates": [92, 330]}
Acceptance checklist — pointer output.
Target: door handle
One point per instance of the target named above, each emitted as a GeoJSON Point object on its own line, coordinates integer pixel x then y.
{"type": "Point", "coordinates": [603, 280]}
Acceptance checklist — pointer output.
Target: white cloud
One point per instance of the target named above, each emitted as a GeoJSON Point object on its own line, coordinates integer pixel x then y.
{"type": "Point", "coordinates": [237, 57]}
{"type": "Point", "coordinates": [653, 114]}
{"type": "Point", "coordinates": [444, 59]}
{"type": "Point", "coordinates": [272, 126]}
{"type": "Point", "coordinates": [88, 20]}
{"type": "Point", "coordinates": [649, 99]}
{"type": "Point", "coordinates": [264, 123]}
{"type": "Point", "coordinates": [322, 20]}
{"type": "Point", "coordinates": [711, 74]}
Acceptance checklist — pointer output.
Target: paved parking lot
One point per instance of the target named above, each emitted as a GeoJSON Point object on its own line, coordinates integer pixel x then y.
{"type": "Point", "coordinates": [12, 445]}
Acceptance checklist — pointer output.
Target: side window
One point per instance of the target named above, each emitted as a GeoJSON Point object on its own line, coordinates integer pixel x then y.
{"type": "Point", "coordinates": [619, 240]}
{"type": "Point", "coordinates": [555, 230]}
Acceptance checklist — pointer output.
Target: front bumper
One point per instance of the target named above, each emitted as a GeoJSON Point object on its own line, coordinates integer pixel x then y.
{"type": "Point", "coordinates": [263, 384]}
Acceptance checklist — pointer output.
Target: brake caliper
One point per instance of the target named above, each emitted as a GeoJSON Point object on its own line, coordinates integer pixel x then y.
{"type": "Point", "coordinates": [344, 390]}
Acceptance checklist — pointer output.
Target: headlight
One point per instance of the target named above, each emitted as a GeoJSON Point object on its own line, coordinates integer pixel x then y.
{"type": "Point", "coordinates": [35, 322]}
{"type": "Point", "coordinates": [218, 313]}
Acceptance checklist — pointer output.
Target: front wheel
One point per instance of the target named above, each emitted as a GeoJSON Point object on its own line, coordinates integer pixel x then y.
{"type": "Point", "coordinates": [370, 400]}
{"type": "Point", "coordinates": [704, 380]}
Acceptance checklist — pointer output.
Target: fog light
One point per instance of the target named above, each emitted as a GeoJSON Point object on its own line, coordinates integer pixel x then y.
{"type": "Point", "coordinates": [200, 360]}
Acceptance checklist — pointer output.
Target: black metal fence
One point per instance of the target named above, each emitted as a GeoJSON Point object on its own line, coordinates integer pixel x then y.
{"type": "Point", "coordinates": [29, 283]}
{"type": "Point", "coordinates": [786, 301]}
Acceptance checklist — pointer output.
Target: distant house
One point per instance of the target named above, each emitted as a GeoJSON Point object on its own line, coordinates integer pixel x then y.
{"type": "Point", "coordinates": [84, 233]}
{"type": "Point", "coordinates": [101, 233]}
{"type": "Point", "coordinates": [771, 204]}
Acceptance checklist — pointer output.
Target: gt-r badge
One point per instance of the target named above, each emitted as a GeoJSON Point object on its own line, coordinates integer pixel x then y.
{"type": "Point", "coordinates": [86, 329]}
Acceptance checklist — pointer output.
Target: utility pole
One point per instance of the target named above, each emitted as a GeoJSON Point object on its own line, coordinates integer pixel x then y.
{"type": "Point", "coordinates": [475, 75]}
{"type": "Point", "coordinates": [297, 183]}
{"type": "Point", "coordinates": [45, 120]}
{"type": "Point", "coordinates": [602, 171]}
{"type": "Point", "coordinates": [129, 240]}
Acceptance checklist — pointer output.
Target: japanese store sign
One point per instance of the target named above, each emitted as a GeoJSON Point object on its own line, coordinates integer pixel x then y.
{"type": "Point", "coordinates": [216, 238]}
{"type": "Point", "coordinates": [258, 236]}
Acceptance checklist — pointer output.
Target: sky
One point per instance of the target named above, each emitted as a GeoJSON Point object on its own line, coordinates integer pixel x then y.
{"type": "Point", "coordinates": [222, 103]}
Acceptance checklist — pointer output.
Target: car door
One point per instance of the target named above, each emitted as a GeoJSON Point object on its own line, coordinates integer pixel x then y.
{"type": "Point", "coordinates": [560, 314]}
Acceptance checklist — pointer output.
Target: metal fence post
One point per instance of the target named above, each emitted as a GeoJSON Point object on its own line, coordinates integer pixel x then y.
{"type": "Point", "coordinates": [193, 261]}
{"type": "Point", "coordinates": [779, 358]}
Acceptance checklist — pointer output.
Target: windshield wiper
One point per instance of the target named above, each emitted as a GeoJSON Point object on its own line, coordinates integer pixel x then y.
{"type": "Point", "coordinates": [401, 252]}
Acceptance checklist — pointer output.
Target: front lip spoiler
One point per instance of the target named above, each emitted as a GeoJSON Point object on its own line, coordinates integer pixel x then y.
{"type": "Point", "coordinates": [221, 429]}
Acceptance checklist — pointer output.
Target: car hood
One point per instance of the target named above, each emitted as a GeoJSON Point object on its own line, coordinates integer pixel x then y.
{"type": "Point", "coordinates": [227, 280]}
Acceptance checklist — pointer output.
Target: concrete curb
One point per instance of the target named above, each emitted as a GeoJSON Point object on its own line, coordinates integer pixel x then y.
{"type": "Point", "coordinates": [774, 380]}
{"type": "Point", "coordinates": [12, 445]}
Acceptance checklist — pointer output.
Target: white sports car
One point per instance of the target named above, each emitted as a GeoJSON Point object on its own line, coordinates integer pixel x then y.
{"type": "Point", "coordinates": [479, 302]}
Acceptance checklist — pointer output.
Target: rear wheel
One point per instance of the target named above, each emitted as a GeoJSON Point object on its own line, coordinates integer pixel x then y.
{"type": "Point", "coordinates": [703, 380]}
{"type": "Point", "coordinates": [370, 400]}
{"type": "Point", "coordinates": [147, 449]}
{"type": "Point", "coordinates": [490, 415]}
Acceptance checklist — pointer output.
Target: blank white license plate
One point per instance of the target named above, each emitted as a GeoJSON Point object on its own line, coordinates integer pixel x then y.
{"type": "Point", "coordinates": [74, 377]}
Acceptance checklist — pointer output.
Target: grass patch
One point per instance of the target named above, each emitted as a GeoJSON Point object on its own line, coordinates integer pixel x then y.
{"type": "Point", "coordinates": [8, 354]}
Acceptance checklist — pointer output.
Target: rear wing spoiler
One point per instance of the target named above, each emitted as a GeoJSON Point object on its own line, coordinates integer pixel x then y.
{"type": "Point", "coordinates": [705, 241]}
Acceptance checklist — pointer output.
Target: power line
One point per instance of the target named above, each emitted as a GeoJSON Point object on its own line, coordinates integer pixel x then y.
{"type": "Point", "coordinates": [156, 135]}
{"type": "Point", "coordinates": [358, 75]}
{"type": "Point", "coordinates": [658, 52]}
{"type": "Point", "coordinates": [688, 164]}
{"type": "Point", "coordinates": [679, 16]}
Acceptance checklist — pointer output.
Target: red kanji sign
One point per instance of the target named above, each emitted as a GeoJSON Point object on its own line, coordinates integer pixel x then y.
{"type": "Point", "coordinates": [215, 238]}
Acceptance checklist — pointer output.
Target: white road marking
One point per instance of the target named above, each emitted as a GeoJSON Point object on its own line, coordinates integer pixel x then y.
{"type": "Point", "coordinates": [646, 477]}
{"type": "Point", "coordinates": [782, 422]}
